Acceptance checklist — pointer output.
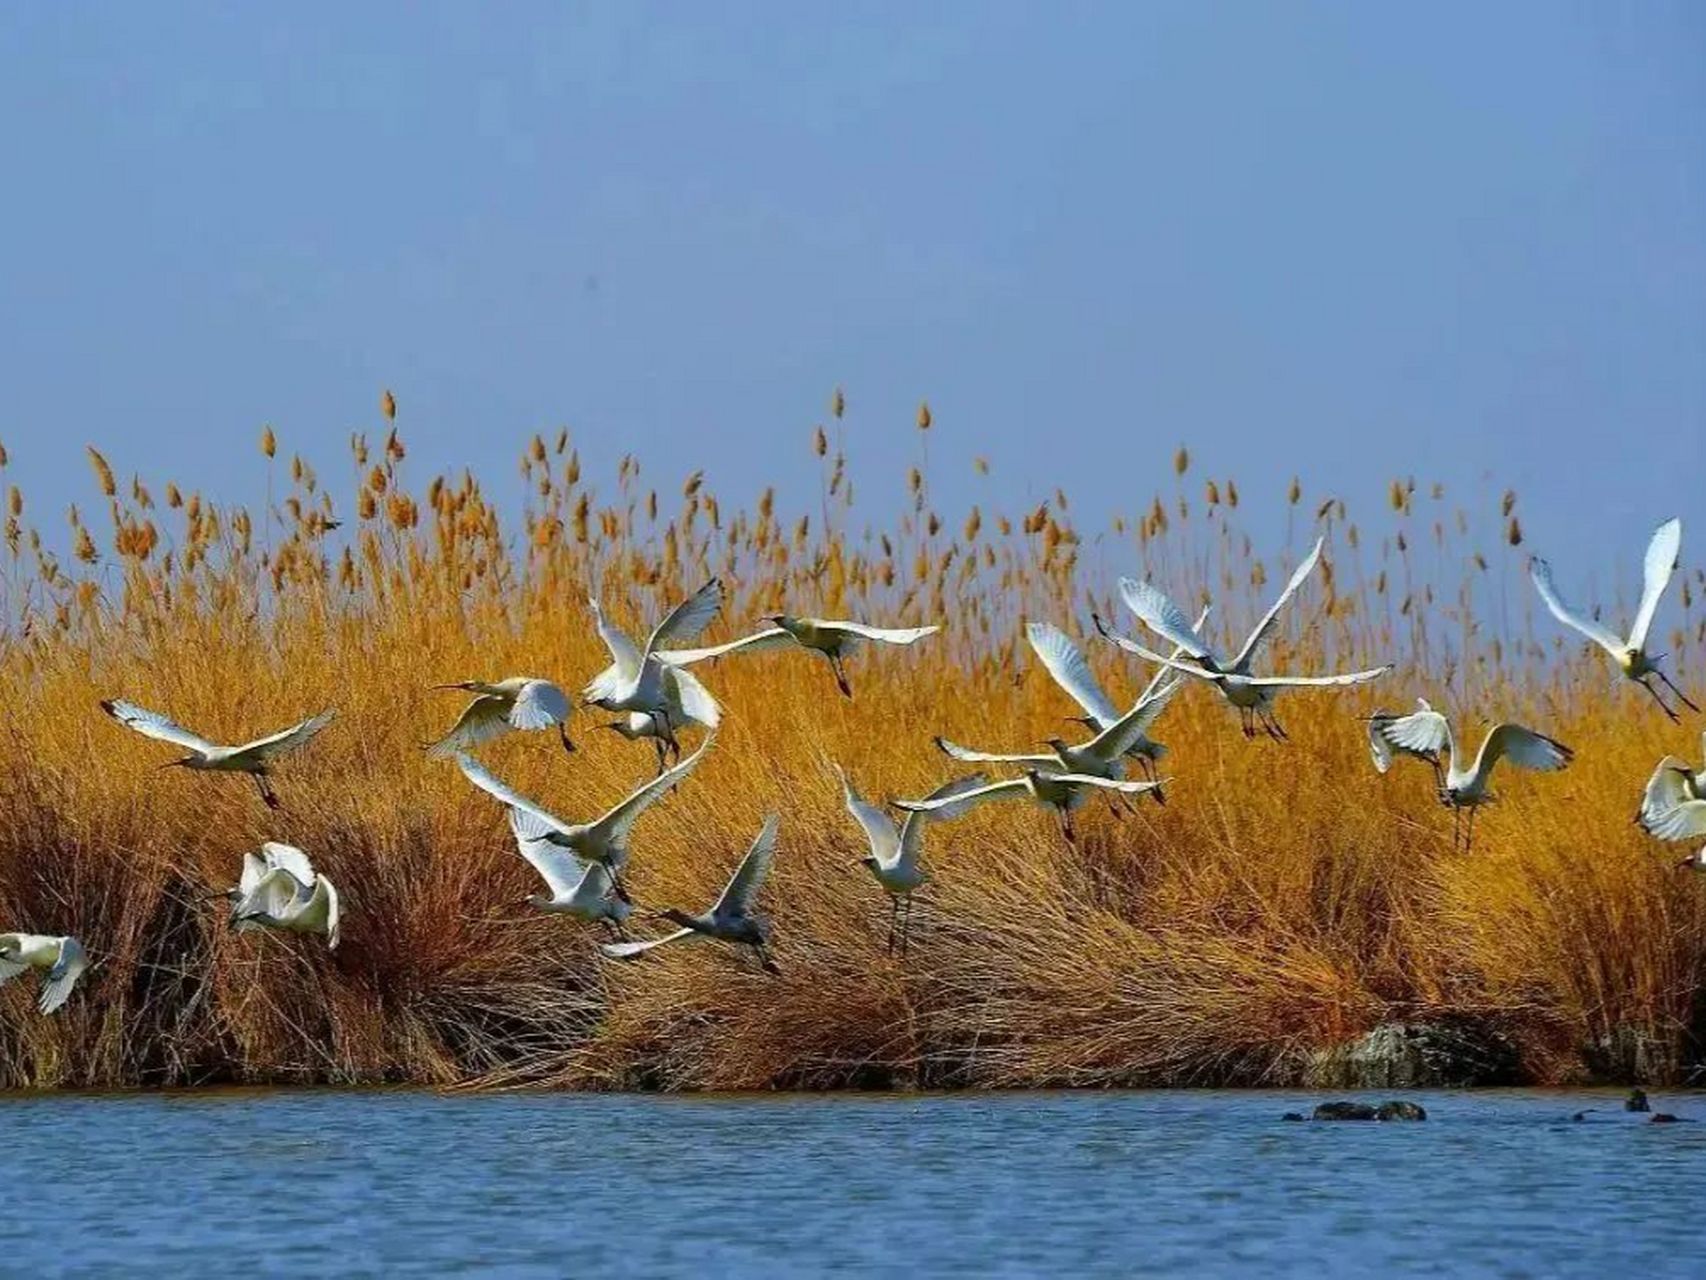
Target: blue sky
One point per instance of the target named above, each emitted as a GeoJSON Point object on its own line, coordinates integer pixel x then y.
{"type": "Point", "coordinates": [1462, 241]}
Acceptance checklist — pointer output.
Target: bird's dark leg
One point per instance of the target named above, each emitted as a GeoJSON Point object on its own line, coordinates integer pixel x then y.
{"type": "Point", "coordinates": [1646, 683]}
{"type": "Point", "coordinates": [1246, 721]}
{"type": "Point", "coordinates": [1456, 827]}
{"type": "Point", "coordinates": [906, 928]}
{"type": "Point", "coordinates": [663, 754]}
{"type": "Point", "coordinates": [267, 793]}
{"type": "Point", "coordinates": [1469, 833]}
{"type": "Point", "coordinates": [1671, 685]}
{"type": "Point", "coordinates": [617, 887]}
{"type": "Point", "coordinates": [894, 920]}
{"type": "Point", "coordinates": [1066, 828]}
{"type": "Point", "coordinates": [770, 966]}
{"type": "Point", "coordinates": [840, 675]}
{"type": "Point", "coordinates": [563, 733]}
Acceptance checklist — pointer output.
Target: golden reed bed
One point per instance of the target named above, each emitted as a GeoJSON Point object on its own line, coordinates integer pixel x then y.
{"type": "Point", "coordinates": [1285, 901]}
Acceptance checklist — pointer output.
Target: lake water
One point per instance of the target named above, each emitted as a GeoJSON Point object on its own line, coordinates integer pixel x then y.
{"type": "Point", "coordinates": [1089, 1184]}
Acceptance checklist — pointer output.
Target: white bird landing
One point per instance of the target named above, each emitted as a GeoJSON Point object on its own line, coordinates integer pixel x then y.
{"type": "Point", "coordinates": [279, 889]}
{"type": "Point", "coordinates": [1065, 662]}
{"type": "Point", "coordinates": [1383, 751]}
{"type": "Point", "coordinates": [833, 639]}
{"type": "Point", "coordinates": [642, 683]}
{"type": "Point", "coordinates": [253, 758]}
{"type": "Point", "coordinates": [584, 890]}
{"type": "Point", "coordinates": [520, 702]}
{"type": "Point", "coordinates": [1673, 806]}
{"type": "Point", "coordinates": [895, 851]}
{"type": "Point", "coordinates": [1629, 654]}
{"type": "Point", "coordinates": [1060, 793]}
{"type": "Point", "coordinates": [605, 840]}
{"type": "Point", "coordinates": [1427, 731]}
{"type": "Point", "coordinates": [62, 961]}
{"type": "Point", "coordinates": [731, 918]}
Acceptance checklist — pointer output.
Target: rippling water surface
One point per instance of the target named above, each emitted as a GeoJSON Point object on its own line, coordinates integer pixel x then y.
{"type": "Point", "coordinates": [324, 1182]}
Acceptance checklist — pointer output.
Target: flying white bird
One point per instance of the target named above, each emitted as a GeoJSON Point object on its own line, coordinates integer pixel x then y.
{"type": "Point", "coordinates": [1465, 788]}
{"type": "Point", "coordinates": [1060, 793]}
{"type": "Point", "coordinates": [1065, 662]}
{"type": "Point", "coordinates": [603, 841]}
{"type": "Point", "coordinates": [62, 960]}
{"type": "Point", "coordinates": [584, 890]}
{"type": "Point", "coordinates": [1630, 654]}
{"type": "Point", "coordinates": [1384, 751]}
{"type": "Point", "coordinates": [639, 681]}
{"type": "Point", "coordinates": [1673, 806]}
{"type": "Point", "coordinates": [279, 889]}
{"type": "Point", "coordinates": [834, 640]}
{"type": "Point", "coordinates": [253, 758]}
{"type": "Point", "coordinates": [731, 918]}
{"type": "Point", "coordinates": [1252, 695]}
{"type": "Point", "coordinates": [1103, 756]}
{"type": "Point", "coordinates": [520, 702]}
{"type": "Point", "coordinates": [894, 851]}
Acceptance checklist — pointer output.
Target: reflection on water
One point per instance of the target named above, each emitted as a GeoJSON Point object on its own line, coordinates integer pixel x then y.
{"type": "Point", "coordinates": [324, 1182]}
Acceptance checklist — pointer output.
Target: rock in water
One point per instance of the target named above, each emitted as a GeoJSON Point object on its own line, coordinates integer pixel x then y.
{"type": "Point", "coordinates": [1292, 1115]}
{"type": "Point", "coordinates": [1401, 1111]}
{"type": "Point", "coordinates": [1346, 1111]}
{"type": "Point", "coordinates": [1637, 1101]}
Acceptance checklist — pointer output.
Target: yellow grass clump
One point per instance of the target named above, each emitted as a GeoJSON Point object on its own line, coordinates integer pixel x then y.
{"type": "Point", "coordinates": [1284, 902]}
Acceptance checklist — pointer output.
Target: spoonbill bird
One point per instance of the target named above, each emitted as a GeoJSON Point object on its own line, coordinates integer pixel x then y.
{"type": "Point", "coordinates": [279, 889]}
{"type": "Point", "coordinates": [1065, 662]}
{"type": "Point", "coordinates": [1384, 751]}
{"type": "Point", "coordinates": [605, 840]}
{"type": "Point", "coordinates": [1427, 731]}
{"type": "Point", "coordinates": [1061, 793]}
{"type": "Point", "coordinates": [584, 890]}
{"type": "Point", "coordinates": [1103, 756]}
{"type": "Point", "coordinates": [1673, 806]}
{"type": "Point", "coordinates": [833, 639]}
{"type": "Point", "coordinates": [638, 681]}
{"type": "Point", "coordinates": [1630, 654]}
{"type": "Point", "coordinates": [894, 851]}
{"type": "Point", "coordinates": [62, 961]}
{"type": "Point", "coordinates": [520, 702]}
{"type": "Point", "coordinates": [1252, 695]}
{"type": "Point", "coordinates": [730, 918]}
{"type": "Point", "coordinates": [253, 758]}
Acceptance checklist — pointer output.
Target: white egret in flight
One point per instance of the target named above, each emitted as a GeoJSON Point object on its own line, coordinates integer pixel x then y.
{"type": "Point", "coordinates": [253, 758]}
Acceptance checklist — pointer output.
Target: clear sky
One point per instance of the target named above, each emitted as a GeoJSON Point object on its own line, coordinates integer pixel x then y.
{"type": "Point", "coordinates": [1348, 240]}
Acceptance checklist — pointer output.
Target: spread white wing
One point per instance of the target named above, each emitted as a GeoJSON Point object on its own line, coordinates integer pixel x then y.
{"type": "Point", "coordinates": [1065, 662]}
{"type": "Point", "coordinates": [1120, 736]}
{"type": "Point", "coordinates": [880, 830]}
{"type": "Point", "coordinates": [614, 826]}
{"type": "Point", "coordinates": [286, 740]}
{"type": "Point", "coordinates": [883, 635]}
{"type": "Point", "coordinates": [628, 950]}
{"type": "Point", "coordinates": [1669, 786]}
{"type": "Point", "coordinates": [151, 724]}
{"type": "Point", "coordinates": [1259, 636]}
{"type": "Point", "coordinates": [482, 720]}
{"type": "Point", "coordinates": [949, 807]}
{"type": "Point", "coordinates": [1264, 682]}
{"type": "Point", "coordinates": [1661, 561]}
{"type": "Point", "coordinates": [1522, 747]}
{"type": "Point", "coordinates": [289, 857]}
{"type": "Point", "coordinates": [1685, 821]}
{"type": "Point", "coordinates": [1541, 572]}
{"type": "Point", "coordinates": [757, 642]}
{"type": "Point", "coordinates": [688, 620]}
{"type": "Point", "coordinates": [1157, 611]}
{"type": "Point", "coordinates": [488, 782]}
{"type": "Point", "coordinates": [912, 831]}
{"type": "Point", "coordinates": [954, 749]}
{"type": "Point", "coordinates": [561, 870]}
{"type": "Point", "coordinates": [1424, 732]}
{"type": "Point", "coordinates": [743, 886]}
{"type": "Point", "coordinates": [63, 976]}
{"type": "Point", "coordinates": [539, 705]}
{"type": "Point", "coordinates": [625, 656]}
{"type": "Point", "coordinates": [692, 699]}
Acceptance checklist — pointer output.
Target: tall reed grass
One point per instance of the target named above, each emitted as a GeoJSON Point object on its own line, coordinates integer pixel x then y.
{"type": "Point", "coordinates": [1286, 901]}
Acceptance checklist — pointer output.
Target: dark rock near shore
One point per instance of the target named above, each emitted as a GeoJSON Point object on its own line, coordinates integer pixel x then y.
{"type": "Point", "coordinates": [1402, 1111]}
{"type": "Point", "coordinates": [1346, 1111]}
{"type": "Point", "coordinates": [1450, 1053]}
{"type": "Point", "coordinates": [1665, 1117]}
{"type": "Point", "coordinates": [1293, 1115]}
{"type": "Point", "coordinates": [1637, 1101]}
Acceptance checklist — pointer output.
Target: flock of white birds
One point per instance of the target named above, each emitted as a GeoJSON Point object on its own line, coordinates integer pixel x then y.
{"type": "Point", "coordinates": [653, 690]}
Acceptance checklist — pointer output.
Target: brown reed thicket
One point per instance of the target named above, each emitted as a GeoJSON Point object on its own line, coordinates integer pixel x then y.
{"type": "Point", "coordinates": [1286, 900]}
